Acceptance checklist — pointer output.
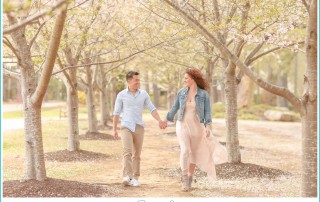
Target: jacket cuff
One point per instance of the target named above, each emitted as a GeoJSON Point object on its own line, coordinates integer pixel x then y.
{"type": "Point", "coordinates": [169, 118]}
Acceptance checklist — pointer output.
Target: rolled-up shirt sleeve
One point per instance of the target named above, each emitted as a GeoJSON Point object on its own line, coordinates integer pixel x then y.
{"type": "Point", "coordinates": [118, 106]}
{"type": "Point", "coordinates": [148, 104]}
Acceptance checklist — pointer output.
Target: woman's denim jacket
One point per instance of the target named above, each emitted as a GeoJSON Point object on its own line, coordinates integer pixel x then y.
{"type": "Point", "coordinates": [202, 104]}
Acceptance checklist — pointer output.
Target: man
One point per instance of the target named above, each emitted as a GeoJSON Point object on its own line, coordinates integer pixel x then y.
{"type": "Point", "coordinates": [131, 101]}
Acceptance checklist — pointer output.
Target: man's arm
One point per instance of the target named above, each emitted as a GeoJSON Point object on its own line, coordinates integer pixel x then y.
{"type": "Point", "coordinates": [156, 116]}
{"type": "Point", "coordinates": [148, 104]}
{"type": "Point", "coordinates": [116, 116]}
{"type": "Point", "coordinates": [115, 125]}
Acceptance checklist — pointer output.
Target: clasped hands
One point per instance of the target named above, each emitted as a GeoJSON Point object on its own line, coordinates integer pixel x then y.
{"type": "Point", "coordinates": [163, 124]}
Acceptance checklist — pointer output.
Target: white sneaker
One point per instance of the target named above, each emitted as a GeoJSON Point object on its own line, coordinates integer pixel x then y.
{"type": "Point", "coordinates": [126, 181]}
{"type": "Point", "coordinates": [134, 183]}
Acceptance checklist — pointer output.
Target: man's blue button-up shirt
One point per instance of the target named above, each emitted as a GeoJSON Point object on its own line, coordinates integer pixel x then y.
{"type": "Point", "coordinates": [132, 107]}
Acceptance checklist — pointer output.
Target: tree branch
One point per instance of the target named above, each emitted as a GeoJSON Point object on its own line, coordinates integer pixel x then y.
{"type": "Point", "coordinates": [271, 50]}
{"type": "Point", "coordinates": [281, 91]}
{"type": "Point", "coordinates": [251, 54]}
{"type": "Point", "coordinates": [159, 14]}
{"type": "Point", "coordinates": [32, 18]}
{"type": "Point", "coordinates": [76, 6]}
{"type": "Point", "coordinates": [84, 38]}
{"type": "Point", "coordinates": [66, 74]}
{"type": "Point", "coordinates": [111, 69]}
{"type": "Point", "coordinates": [54, 43]}
{"type": "Point", "coordinates": [9, 45]}
{"type": "Point", "coordinates": [304, 2]}
{"type": "Point", "coordinates": [119, 60]}
{"type": "Point", "coordinates": [11, 74]}
{"type": "Point", "coordinates": [81, 86]}
{"type": "Point", "coordinates": [36, 35]}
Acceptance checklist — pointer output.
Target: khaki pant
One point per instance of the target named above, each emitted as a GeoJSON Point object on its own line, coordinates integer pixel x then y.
{"type": "Point", "coordinates": [132, 145]}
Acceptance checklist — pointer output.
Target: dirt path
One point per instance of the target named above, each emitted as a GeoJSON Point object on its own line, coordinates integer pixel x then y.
{"type": "Point", "coordinates": [159, 156]}
{"type": "Point", "coordinates": [270, 153]}
{"type": "Point", "coordinates": [271, 145]}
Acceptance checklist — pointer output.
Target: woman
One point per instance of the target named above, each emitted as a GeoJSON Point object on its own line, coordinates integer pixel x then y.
{"type": "Point", "coordinates": [198, 146]}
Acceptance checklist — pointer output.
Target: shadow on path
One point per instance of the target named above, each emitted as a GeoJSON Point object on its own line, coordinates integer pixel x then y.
{"type": "Point", "coordinates": [52, 188]}
{"type": "Point", "coordinates": [68, 156]}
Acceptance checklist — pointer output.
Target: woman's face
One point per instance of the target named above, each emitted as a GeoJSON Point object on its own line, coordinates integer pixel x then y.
{"type": "Point", "coordinates": [188, 81]}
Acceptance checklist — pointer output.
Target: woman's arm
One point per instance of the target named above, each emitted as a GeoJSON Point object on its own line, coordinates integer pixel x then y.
{"type": "Point", "coordinates": [174, 108]}
{"type": "Point", "coordinates": [207, 110]}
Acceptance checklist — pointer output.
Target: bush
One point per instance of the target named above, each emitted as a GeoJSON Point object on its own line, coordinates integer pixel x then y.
{"type": "Point", "coordinates": [218, 108]}
{"type": "Point", "coordinates": [81, 97]}
{"type": "Point", "coordinates": [248, 117]}
{"type": "Point", "coordinates": [218, 115]}
{"type": "Point", "coordinates": [254, 112]}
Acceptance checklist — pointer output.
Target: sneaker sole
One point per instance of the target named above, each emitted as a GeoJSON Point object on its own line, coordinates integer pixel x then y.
{"type": "Point", "coordinates": [125, 183]}
{"type": "Point", "coordinates": [134, 185]}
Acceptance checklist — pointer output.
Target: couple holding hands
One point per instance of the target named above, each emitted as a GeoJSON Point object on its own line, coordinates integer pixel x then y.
{"type": "Point", "coordinates": [193, 127]}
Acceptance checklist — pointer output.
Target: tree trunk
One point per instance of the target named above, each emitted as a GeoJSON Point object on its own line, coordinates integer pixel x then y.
{"type": "Point", "coordinates": [245, 92]}
{"type": "Point", "coordinates": [223, 94]}
{"type": "Point", "coordinates": [266, 96]}
{"type": "Point", "coordinates": [113, 93]}
{"type": "Point", "coordinates": [209, 72]}
{"type": "Point", "coordinates": [172, 88]}
{"type": "Point", "coordinates": [296, 75]}
{"type": "Point", "coordinates": [7, 90]}
{"type": "Point", "coordinates": [104, 117]}
{"type": "Point", "coordinates": [282, 80]}
{"type": "Point", "coordinates": [232, 141]}
{"type": "Point", "coordinates": [215, 95]}
{"type": "Point", "coordinates": [35, 165]}
{"type": "Point", "coordinates": [155, 95]}
{"type": "Point", "coordinates": [310, 110]}
{"type": "Point", "coordinates": [72, 109]}
{"type": "Point", "coordinates": [72, 103]}
{"type": "Point", "coordinates": [91, 107]}
{"type": "Point", "coordinates": [103, 99]}
{"type": "Point", "coordinates": [146, 84]}
{"type": "Point", "coordinates": [33, 92]}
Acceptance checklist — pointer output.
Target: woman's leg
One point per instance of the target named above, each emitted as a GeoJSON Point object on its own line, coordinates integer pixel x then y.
{"type": "Point", "coordinates": [184, 142]}
{"type": "Point", "coordinates": [192, 167]}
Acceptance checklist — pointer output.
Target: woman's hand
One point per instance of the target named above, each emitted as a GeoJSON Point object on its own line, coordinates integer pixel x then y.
{"type": "Point", "coordinates": [208, 130]}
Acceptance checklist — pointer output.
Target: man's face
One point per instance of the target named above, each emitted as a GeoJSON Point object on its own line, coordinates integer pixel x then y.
{"type": "Point", "coordinates": [134, 82]}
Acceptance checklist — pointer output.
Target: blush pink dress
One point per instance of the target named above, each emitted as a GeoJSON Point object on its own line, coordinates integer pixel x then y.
{"type": "Point", "coordinates": [195, 147]}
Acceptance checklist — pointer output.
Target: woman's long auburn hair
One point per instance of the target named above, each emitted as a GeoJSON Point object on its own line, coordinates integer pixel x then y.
{"type": "Point", "coordinates": [196, 75]}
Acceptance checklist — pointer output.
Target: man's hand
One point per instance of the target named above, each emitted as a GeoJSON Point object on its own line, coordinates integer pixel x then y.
{"type": "Point", "coordinates": [115, 123]}
{"type": "Point", "coordinates": [163, 124]}
{"type": "Point", "coordinates": [115, 135]}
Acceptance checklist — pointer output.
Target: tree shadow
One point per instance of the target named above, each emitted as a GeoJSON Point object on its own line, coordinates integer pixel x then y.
{"type": "Point", "coordinates": [96, 136]}
{"type": "Point", "coordinates": [103, 127]}
{"type": "Point", "coordinates": [177, 147]}
{"type": "Point", "coordinates": [247, 170]}
{"type": "Point", "coordinates": [225, 144]}
{"type": "Point", "coordinates": [69, 156]}
{"type": "Point", "coordinates": [53, 188]}
{"type": "Point", "coordinates": [231, 171]}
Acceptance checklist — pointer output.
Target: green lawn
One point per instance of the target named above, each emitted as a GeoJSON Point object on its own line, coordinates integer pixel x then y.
{"type": "Point", "coordinates": [45, 113]}
{"type": "Point", "coordinates": [55, 138]}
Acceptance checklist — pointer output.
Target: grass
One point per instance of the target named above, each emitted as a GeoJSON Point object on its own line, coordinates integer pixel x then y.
{"type": "Point", "coordinates": [55, 133]}
{"type": "Point", "coordinates": [267, 150]}
{"type": "Point", "coordinates": [254, 112]}
{"type": "Point", "coordinates": [46, 113]}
